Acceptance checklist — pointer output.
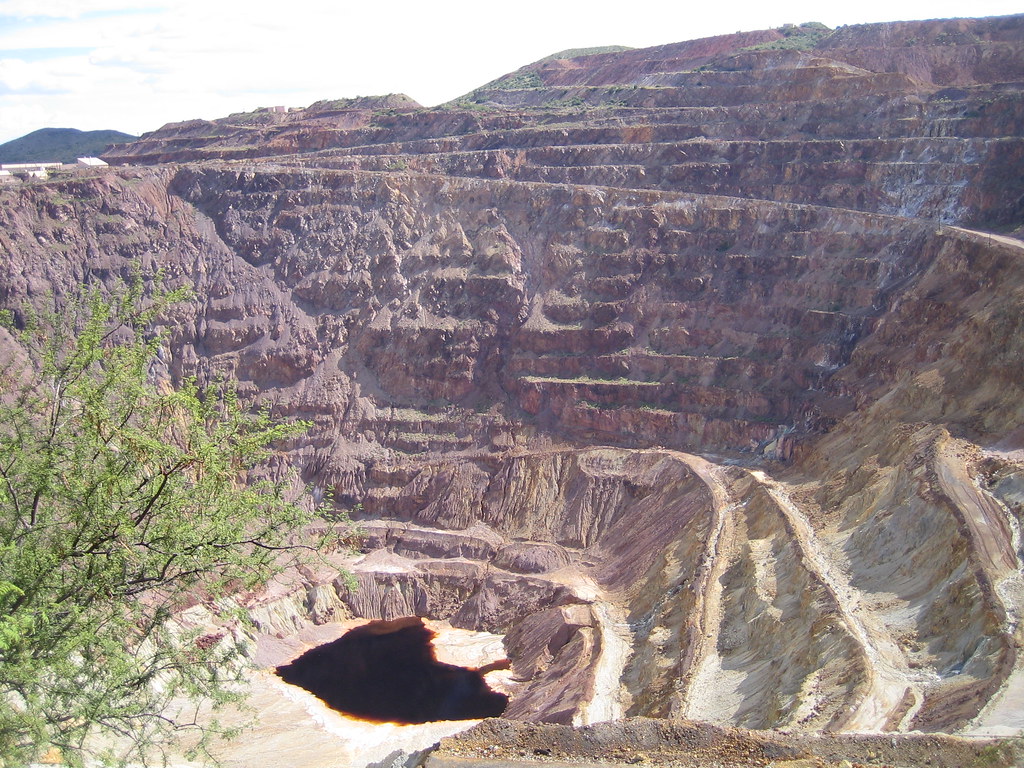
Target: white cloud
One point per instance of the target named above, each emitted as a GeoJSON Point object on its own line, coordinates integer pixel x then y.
{"type": "Point", "coordinates": [73, 9]}
{"type": "Point", "coordinates": [18, 76]}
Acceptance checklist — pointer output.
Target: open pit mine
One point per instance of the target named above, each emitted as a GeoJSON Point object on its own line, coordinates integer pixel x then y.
{"type": "Point", "coordinates": [677, 392]}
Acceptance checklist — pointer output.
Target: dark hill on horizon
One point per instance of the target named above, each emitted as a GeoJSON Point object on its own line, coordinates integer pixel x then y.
{"type": "Point", "coordinates": [60, 145]}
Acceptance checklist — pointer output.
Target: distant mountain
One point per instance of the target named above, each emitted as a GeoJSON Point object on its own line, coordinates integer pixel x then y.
{"type": "Point", "coordinates": [62, 145]}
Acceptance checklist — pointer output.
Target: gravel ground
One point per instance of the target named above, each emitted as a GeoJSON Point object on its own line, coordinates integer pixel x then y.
{"type": "Point", "coordinates": [680, 744]}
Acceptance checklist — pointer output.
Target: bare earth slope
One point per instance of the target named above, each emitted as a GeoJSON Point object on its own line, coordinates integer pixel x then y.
{"type": "Point", "coordinates": [695, 371]}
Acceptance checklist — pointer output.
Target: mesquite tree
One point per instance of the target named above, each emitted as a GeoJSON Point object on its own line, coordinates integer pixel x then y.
{"type": "Point", "coordinates": [121, 502]}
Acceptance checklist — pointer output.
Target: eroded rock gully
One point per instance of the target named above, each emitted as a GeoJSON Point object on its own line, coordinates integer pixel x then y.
{"type": "Point", "coordinates": [693, 372]}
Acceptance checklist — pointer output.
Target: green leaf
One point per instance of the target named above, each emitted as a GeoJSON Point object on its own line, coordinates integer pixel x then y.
{"type": "Point", "coordinates": [122, 500]}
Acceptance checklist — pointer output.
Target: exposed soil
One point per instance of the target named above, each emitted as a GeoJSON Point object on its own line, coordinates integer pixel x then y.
{"type": "Point", "coordinates": [700, 745]}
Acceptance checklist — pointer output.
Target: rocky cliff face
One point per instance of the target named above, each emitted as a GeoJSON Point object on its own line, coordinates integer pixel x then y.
{"type": "Point", "coordinates": [687, 369]}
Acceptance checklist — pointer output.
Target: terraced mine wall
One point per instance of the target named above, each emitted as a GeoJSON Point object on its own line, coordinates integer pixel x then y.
{"type": "Point", "coordinates": [688, 370]}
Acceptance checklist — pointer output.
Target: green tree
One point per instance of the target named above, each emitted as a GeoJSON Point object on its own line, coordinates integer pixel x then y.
{"type": "Point", "coordinates": [121, 502]}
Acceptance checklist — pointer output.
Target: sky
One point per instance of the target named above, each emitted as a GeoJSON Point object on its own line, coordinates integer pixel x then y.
{"type": "Point", "coordinates": [134, 65]}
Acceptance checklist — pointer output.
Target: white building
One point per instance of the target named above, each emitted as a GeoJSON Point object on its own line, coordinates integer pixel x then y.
{"type": "Point", "coordinates": [91, 162]}
{"type": "Point", "coordinates": [33, 170]}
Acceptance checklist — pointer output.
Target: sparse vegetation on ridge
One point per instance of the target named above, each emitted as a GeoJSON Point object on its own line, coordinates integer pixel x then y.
{"type": "Point", "coordinates": [577, 53]}
{"type": "Point", "coordinates": [517, 81]}
{"type": "Point", "coordinates": [801, 37]}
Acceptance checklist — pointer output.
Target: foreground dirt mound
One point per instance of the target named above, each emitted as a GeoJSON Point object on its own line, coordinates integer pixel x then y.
{"type": "Point", "coordinates": [696, 372]}
{"type": "Point", "coordinates": [684, 744]}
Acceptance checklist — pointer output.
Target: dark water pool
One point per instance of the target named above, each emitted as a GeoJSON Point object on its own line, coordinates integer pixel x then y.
{"type": "Point", "coordinates": [385, 671]}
